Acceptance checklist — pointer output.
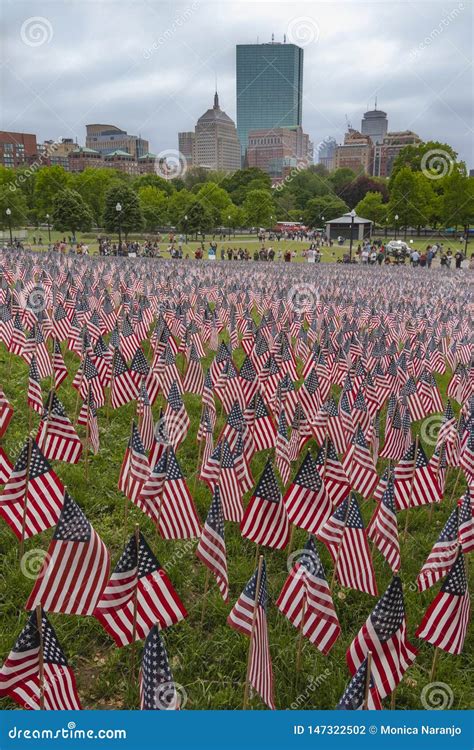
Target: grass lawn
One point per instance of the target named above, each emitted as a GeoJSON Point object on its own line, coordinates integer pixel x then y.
{"type": "Point", "coordinates": [210, 662]}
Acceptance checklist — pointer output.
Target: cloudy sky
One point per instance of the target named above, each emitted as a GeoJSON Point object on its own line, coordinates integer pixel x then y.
{"type": "Point", "coordinates": [150, 66]}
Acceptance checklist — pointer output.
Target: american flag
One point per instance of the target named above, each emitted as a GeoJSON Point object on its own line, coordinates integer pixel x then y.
{"type": "Point", "coordinates": [34, 397]}
{"type": "Point", "coordinates": [332, 473]}
{"type": "Point", "coordinates": [359, 466]}
{"type": "Point", "coordinates": [157, 688]}
{"type": "Point", "coordinates": [220, 469]}
{"type": "Point", "coordinates": [306, 600]}
{"type": "Point", "coordinates": [76, 567]}
{"type": "Point", "coordinates": [176, 416]}
{"type": "Point", "coordinates": [145, 415]}
{"type": "Point", "coordinates": [56, 436]}
{"type": "Point", "coordinates": [306, 499]}
{"type": "Point", "coordinates": [194, 378]}
{"type": "Point", "coordinates": [345, 537]}
{"type": "Point", "coordinates": [20, 674]}
{"type": "Point", "coordinates": [466, 524]}
{"type": "Point", "coordinates": [135, 467]}
{"type": "Point", "coordinates": [446, 620]}
{"type": "Point", "coordinates": [249, 616]}
{"type": "Point", "coordinates": [138, 584]}
{"type": "Point", "coordinates": [282, 458]}
{"type": "Point", "coordinates": [359, 695]}
{"type": "Point", "coordinates": [415, 482]}
{"type": "Point", "coordinates": [443, 554]}
{"type": "Point", "coordinates": [32, 498]}
{"type": "Point", "coordinates": [88, 417]}
{"type": "Point", "coordinates": [124, 382]}
{"type": "Point", "coordinates": [265, 520]}
{"type": "Point", "coordinates": [6, 466]}
{"type": "Point", "coordinates": [211, 547]}
{"type": "Point", "coordinates": [384, 634]}
{"type": "Point", "coordinates": [6, 413]}
{"type": "Point", "coordinates": [59, 368]}
{"type": "Point", "coordinates": [263, 428]}
{"type": "Point", "coordinates": [383, 529]}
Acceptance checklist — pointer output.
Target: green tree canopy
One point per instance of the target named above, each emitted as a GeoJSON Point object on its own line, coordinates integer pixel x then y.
{"type": "Point", "coordinates": [154, 207]}
{"type": "Point", "coordinates": [372, 207]}
{"type": "Point", "coordinates": [259, 208]}
{"type": "Point", "coordinates": [130, 218]}
{"type": "Point", "coordinates": [50, 181]}
{"type": "Point", "coordinates": [153, 180]}
{"type": "Point", "coordinates": [327, 206]}
{"type": "Point", "coordinates": [70, 212]}
{"type": "Point", "coordinates": [12, 198]}
{"type": "Point", "coordinates": [92, 184]}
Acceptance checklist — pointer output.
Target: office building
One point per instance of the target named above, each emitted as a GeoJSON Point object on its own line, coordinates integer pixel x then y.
{"type": "Point", "coordinates": [216, 145]}
{"type": "Point", "coordinates": [108, 138]}
{"type": "Point", "coordinates": [186, 146]}
{"type": "Point", "coordinates": [327, 153]}
{"type": "Point", "coordinates": [355, 153]}
{"type": "Point", "coordinates": [17, 149]}
{"type": "Point", "coordinates": [269, 88]}
{"type": "Point", "coordinates": [375, 124]}
{"type": "Point", "coordinates": [279, 150]}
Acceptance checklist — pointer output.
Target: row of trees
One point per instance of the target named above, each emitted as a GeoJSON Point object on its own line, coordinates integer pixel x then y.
{"type": "Point", "coordinates": [416, 195]}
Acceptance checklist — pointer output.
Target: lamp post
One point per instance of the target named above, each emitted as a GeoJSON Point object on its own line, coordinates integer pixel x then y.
{"type": "Point", "coordinates": [396, 225]}
{"type": "Point", "coordinates": [118, 208]}
{"type": "Point", "coordinates": [9, 219]}
{"type": "Point", "coordinates": [49, 228]}
{"type": "Point", "coordinates": [466, 240]}
{"type": "Point", "coordinates": [228, 221]}
{"type": "Point", "coordinates": [352, 215]}
{"type": "Point", "coordinates": [185, 229]}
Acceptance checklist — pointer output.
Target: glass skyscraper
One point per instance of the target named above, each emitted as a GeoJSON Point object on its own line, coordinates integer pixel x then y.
{"type": "Point", "coordinates": [269, 88]}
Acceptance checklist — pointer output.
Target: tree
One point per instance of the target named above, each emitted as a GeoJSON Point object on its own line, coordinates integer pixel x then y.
{"type": "Point", "coordinates": [355, 190]}
{"type": "Point", "coordinates": [418, 158]}
{"type": "Point", "coordinates": [155, 181]}
{"type": "Point", "coordinates": [13, 199]}
{"type": "Point", "coordinates": [306, 184]}
{"type": "Point", "coordinates": [233, 217]}
{"type": "Point", "coordinates": [327, 206]}
{"type": "Point", "coordinates": [200, 217]}
{"type": "Point", "coordinates": [154, 207]}
{"type": "Point", "coordinates": [130, 218]}
{"type": "Point", "coordinates": [259, 208]}
{"type": "Point", "coordinates": [340, 178]}
{"type": "Point", "coordinates": [372, 207]}
{"type": "Point", "coordinates": [411, 198]}
{"type": "Point", "coordinates": [214, 196]}
{"type": "Point", "coordinates": [457, 202]}
{"type": "Point", "coordinates": [50, 181]}
{"type": "Point", "coordinates": [178, 206]}
{"type": "Point", "coordinates": [70, 212]}
{"type": "Point", "coordinates": [241, 182]}
{"type": "Point", "coordinates": [92, 185]}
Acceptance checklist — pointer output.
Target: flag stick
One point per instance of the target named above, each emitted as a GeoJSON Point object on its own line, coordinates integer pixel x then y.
{"type": "Point", "coordinates": [339, 546]}
{"type": "Point", "coordinates": [39, 625]}
{"type": "Point", "coordinates": [405, 533]}
{"type": "Point", "coordinates": [204, 597]}
{"type": "Point", "coordinates": [135, 603]}
{"type": "Point", "coordinates": [25, 496]}
{"type": "Point", "coordinates": [300, 636]}
{"type": "Point", "coordinates": [86, 457]}
{"type": "Point", "coordinates": [197, 467]}
{"type": "Point", "coordinates": [367, 681]}
{"type": "Point", "coordinates": [129, 478]}
{"type": "Point", "coordinates": [433, 664]}
{"type": "Point", "coordinates": [254, 618]}
{"type": "Point", "coordinates": [160, 504]}
{"type": "Point", "coordinates": [112, 369]}
{"type": "Point", "coordinates": [392, 700]}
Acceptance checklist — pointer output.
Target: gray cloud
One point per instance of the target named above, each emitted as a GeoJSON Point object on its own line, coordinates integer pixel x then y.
{"type": "Point", "coordinates": [150, 66]}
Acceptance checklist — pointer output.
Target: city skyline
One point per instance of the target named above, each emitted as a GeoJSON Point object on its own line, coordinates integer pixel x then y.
{"type": "Point", "coordinates": [155, 81]}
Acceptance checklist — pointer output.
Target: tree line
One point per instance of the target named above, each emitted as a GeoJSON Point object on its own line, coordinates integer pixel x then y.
{"type": "Point", "coordinates": [420, 192]}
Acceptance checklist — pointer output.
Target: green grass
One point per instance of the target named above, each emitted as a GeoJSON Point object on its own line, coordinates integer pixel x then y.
{"type": "Point", "coordinates": [210, 663]}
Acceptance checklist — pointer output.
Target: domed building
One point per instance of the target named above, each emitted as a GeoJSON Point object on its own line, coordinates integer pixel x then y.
{"type": "Point", "coordinates": [216, 144]}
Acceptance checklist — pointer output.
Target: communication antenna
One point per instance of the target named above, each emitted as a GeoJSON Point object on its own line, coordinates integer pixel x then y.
{"type": "Point", "coordinates": [284, 38]}
{"type": "Point", "coordinates": [273, 38]}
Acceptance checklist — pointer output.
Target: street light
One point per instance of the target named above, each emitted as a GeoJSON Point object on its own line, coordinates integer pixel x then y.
{"type": "Point", "coordinates": [49, 228]}
{"type": "Point", "coordinates": [9, 217]}
{"type": "Point", "coordinates": [396, 225]}
{"type": "Point", "coordinates": [228, 221]}
{"type": "Point", "coordinates": [185, 229]}
{"type": "Point", "coordinates": [118, 208]}
{"type": "Point", "coordinates": [352, 215]}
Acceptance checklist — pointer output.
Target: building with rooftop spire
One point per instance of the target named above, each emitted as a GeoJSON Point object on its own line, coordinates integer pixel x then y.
{"type": "Point", "coordinates": [215, 145]}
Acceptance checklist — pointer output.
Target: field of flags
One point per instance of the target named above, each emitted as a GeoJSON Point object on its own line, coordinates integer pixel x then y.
{"type": "Point", "coordinates": [220, 483]}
